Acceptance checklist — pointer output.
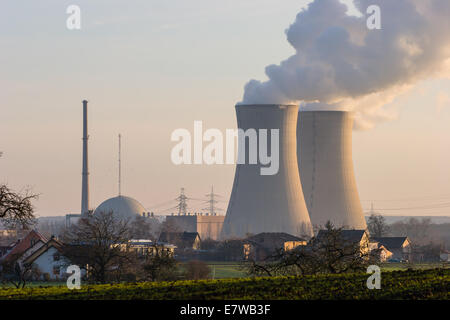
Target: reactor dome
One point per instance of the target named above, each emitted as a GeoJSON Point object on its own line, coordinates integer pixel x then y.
{"type": "Point", "coordinates": [122, 207]}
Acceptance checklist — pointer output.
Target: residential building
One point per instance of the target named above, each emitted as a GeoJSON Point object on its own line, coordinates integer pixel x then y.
{"type": "Point", "coordinates": [182, 240]}
{"type": "Point", "coordinates": [262, 245]}
{"type": "Point", "coordinates": [146, 248]}
{"type": "Point", "coordinates": [359, 238]}
{"type": "Point", "coordinates": [48, 259]}
{"type": "Point", "coordinates": [25, 247]}
{"type": "Point", "coordinates": [399, 246]}
{"type": "Point", "coordinates": [380, 252]}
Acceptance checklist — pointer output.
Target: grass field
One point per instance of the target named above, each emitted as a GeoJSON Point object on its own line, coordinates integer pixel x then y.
{"type": "Point", "coordinates": [417, 266]}
{"type": "Point", "coordinates": [228, 270]}
{"type": "Point", "coordinates": [411, 284]}
{"type": "Point", "coordinates": [225, 270]}
{"type": "Point", "coordinates": [37, 284]}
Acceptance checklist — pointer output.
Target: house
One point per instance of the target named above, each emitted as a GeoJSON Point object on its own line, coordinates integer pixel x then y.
{"type": "Point", "coordinates": [25, 247]}
{"type": "Point", "coordinates": [144, 248]}
{"type": "Point", "coordinates": [399, 246]}
{"type": "Point", "coordinates": [379, 252]}
{"type": "Point", "coordinates": [48, 259]}
{"type": "Point", "coordinates": [262, 245]}
{"type": "Point", "coordinates": [182, 240]}
{"type": "Point", "coordinates": [358, 238]}
{"type": "Point", "coordinates": [5, 249]}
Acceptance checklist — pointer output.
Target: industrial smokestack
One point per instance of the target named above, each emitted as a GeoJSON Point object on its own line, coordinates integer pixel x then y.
{"type": "Point", "coordinates": [85, 174]}
{"type": "Point", "coordinates": [268, 203]}
{"type": "Point", "coordinates": [326, 168]}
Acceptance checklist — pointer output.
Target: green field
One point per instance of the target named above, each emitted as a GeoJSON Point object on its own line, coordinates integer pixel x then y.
{"type": "Point", "coordinates": [411, 284]}
{"type": "Point", "coordinates": [225, 270]}
{"type": "Point", "coordinates": [417, 266]}
{"type": "Point", "coordinates": [37, 284]}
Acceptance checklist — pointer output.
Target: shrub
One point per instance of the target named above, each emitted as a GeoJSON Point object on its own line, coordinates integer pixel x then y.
{"type": "Point", "coordinates": [196, 270]}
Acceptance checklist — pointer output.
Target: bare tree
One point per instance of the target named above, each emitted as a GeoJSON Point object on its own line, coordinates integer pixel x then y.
{"type": "Point", "coordinates": [331, 253]}
{"type": "Point", "coordinates": [416, 229]}
{"type": "Point", "coordinates": [231, 250]}
{"type": "Point", "coordinates": [16, 209]}
{"type": "Point", "coordinates": [160, 266]}
{"type": "Point", "coordinates": [16, 273]}
{"type": "Point", "coordinates": [99, 242]}
{"type": "Point", "coordinates": [196, 270]}
{"type": "Point", "coordinates": [170, 227]}
{"type": "Point", "coordinates": [144, 228]}
{"type": "Point", "coordinates": [377, 226]}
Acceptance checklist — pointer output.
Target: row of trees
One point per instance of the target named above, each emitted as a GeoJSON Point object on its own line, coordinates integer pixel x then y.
{"type": "Point", "coordinates": [329, 254]}
{"type": "Point", "coordinates": [101, 243]}
{"type": "Point", "coordinates": [427, 239]}
{"type": "Point", "coordinates": [99, 246]}
{"type": "Point", "coordinates": [16, 212]}
{"type": "Point", "coordinates": [416, 229]}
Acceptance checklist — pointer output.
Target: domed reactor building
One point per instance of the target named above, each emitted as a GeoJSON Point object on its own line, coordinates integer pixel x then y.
{"type": "Point", "coordinates": [324, 153]}
{"type": "Point", "coordinates": [122, 207]}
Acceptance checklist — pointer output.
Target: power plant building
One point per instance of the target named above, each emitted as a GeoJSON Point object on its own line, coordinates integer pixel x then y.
{"type": "Point", "coordinates": [268, 203]}
{"type": "Point", "coordinates": [326, 169]}
{"type": "Point", "coordinates": [85, 173]}
{"type": "Point", "coordinates": [121, 207]}
{"type": "Point", "coordinates": [207, 226]}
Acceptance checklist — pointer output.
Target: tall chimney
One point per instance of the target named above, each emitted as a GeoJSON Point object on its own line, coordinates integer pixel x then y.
{"type": "Point", "coordinates": [85, 174]}
{"type": "Point", "coordinates": [268, 203]}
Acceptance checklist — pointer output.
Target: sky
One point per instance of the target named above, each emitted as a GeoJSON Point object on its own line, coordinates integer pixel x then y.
{"type": "Point", "coordinates": [151, 67]}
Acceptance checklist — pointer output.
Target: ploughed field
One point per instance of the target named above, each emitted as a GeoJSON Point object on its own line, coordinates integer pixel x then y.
{"type": "Point", "coordinates": [410, 284]}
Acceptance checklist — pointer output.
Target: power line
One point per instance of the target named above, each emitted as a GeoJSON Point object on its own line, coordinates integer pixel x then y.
{"type": "Point", "coordinates": [418, 198]}
{"type": "Point", "coordinates": [424, 207]}
{"type": "Point", "coordinates": [163, 204]}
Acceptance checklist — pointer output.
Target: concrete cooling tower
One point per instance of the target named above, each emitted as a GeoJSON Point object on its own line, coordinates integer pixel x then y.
{"type": "Point", "coordinates": [326, 168]}
{"type": "Point", "coordinates": [267, 203]}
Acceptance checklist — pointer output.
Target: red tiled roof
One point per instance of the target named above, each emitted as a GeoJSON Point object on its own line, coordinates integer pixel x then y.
{"type": "Point", "coordinates": [31, 238]}
{"type": "Point", "coordinates": [52, 243]}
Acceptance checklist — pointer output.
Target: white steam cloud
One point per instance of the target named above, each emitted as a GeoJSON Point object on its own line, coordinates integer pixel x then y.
{"type": "Point", "coordinates": [340, 62]}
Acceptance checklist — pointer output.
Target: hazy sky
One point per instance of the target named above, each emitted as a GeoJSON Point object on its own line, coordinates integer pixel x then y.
{"type": "Point", "coordinates": [150, 67]}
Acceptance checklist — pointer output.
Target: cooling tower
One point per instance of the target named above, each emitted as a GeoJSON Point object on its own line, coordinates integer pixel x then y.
{"type": "Point", "coordinates": [267, 203]}
{"type": "Point", "coordinates": [326, 168]}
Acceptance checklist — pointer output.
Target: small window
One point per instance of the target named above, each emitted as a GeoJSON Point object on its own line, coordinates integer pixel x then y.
{"type": "Point", "coordinates": [56, 270]}
{"type": "Point", "coordinates": [56, 257]}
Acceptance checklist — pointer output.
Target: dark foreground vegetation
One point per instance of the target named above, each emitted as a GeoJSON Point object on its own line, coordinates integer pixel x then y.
{"type": "Point", "coordinates": [410, 284]}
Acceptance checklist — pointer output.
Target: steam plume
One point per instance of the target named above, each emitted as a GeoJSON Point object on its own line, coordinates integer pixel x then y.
{"type": "Point", "coordinates": [340, 62]}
